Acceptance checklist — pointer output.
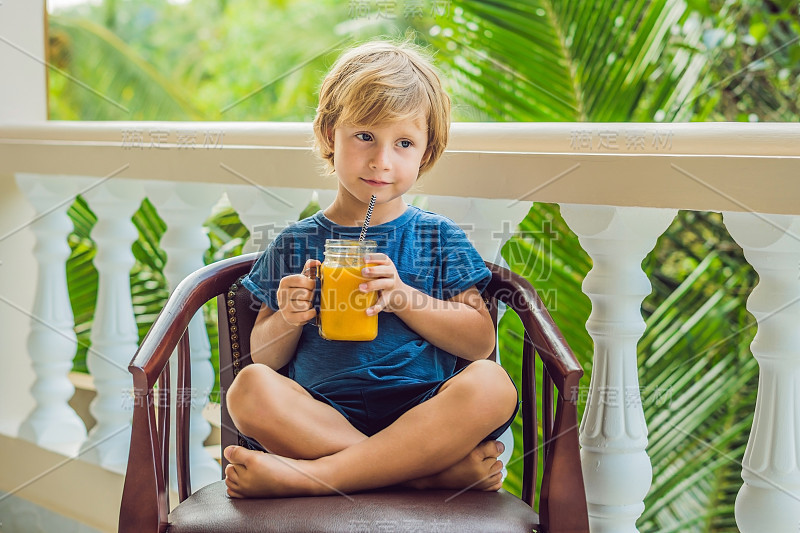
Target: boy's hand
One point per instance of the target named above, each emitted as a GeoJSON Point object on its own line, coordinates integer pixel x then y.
{"type": "Point", "coordinates": [393, 294]}
{"type": "Point", "coordinates": [296, 296]}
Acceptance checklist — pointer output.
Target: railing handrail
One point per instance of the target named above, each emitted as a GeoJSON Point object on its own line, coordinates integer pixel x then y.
{"type": "Point", "coordinates": [703, 166]}
{"type": "Point", "coordinates": [698, 138]}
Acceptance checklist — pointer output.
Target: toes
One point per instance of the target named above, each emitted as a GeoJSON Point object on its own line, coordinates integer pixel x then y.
{"type": "Point", "coordinates": [492, 483]}
{"type": "Point", "coordinates": [233, 453]}
{"type": "Point", "coordinates": [494, 488]}
{"type": "Point", "coordinates": [235, 494]}
{"type": "Point", "coordinates": [490, 448]}
{"type": "Point", "coordinates": [496, 468]}
{"type": "Point", "coordinates": [231, 474]}
{"type": "Point", "coordinates": [499, 446]}
{"type": "Point", "coordinates": [239, 455]}
{"type": "Point", "coordinates": [232, 489]}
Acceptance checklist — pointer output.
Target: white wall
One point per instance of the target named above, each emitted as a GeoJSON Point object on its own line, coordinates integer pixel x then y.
{"type": "Point", "coordinates": [23, 94]}
{"type": "Point", "coordinates": [22, 98]}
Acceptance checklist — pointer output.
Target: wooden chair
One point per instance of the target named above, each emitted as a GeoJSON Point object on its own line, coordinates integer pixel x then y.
{"type": "Point", "coordinates": [145, 505]}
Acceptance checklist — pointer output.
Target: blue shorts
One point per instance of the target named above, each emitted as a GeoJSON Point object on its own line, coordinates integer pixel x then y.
{"type": "Point", "coordinates": [371, 410]}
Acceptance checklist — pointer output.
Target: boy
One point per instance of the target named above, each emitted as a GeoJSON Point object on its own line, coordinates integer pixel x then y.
{"type": "Point", "coordinates": [362, 415]}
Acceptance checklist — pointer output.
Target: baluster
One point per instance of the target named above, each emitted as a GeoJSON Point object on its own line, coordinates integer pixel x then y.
{"type": "Point", "coordinates": [114, 333]}
{"type": "Point", "coordinates": [52, 343]}
{"type": "Point", "coordinates": [184, 207]}
{"type": "Point", "coordinates": [613, 433]}
{"type": "Point", "coordinates": [266, 211]}
{"type": "Point", "coordinates": [769, 499]}
{"type": "Point", "coordinates": [488, 225]}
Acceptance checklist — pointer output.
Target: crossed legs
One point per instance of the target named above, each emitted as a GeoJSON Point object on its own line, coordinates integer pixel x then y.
{"type": "Point", "coordinates": [315, 450]}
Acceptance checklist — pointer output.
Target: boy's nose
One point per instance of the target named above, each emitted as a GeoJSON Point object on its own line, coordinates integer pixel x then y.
{"type": "Point", "coordinates": [380, 160]}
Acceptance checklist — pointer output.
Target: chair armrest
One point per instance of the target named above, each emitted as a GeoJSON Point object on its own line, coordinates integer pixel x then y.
{"type": "Point", "coordinates": [144, 506]}
{"type": "Point", "coordinates": [562, 505]}
{"type": "Point", "coordinates": [189, 296]}
{"type": "Point", "coordinates": [518, 294]}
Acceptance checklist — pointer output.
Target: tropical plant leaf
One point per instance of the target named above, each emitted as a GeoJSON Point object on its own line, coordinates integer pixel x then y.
{"type": "Point", "coordinates": [570, 61]}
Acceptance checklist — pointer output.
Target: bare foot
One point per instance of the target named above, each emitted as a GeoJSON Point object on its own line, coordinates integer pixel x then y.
{"type": "Point", "coordinates": [479, 470]}
{"type": "Point", "coordinates": [253, 474]}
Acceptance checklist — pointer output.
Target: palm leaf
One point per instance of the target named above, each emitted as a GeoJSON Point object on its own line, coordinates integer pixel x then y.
{"type": "Point", "coordinates": [699, 382]}
{"type": "Point", "coordinates": [569, 61]}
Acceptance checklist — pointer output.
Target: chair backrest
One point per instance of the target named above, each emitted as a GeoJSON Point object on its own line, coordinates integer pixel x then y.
{"type": "Point", "coordinates": [145, 503]}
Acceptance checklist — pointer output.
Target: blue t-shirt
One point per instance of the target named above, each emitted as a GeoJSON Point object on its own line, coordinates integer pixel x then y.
{"type": "Point", "coordinates": [431, 253]}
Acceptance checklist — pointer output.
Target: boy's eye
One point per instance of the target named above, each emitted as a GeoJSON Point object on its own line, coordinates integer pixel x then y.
{"type": "Point", "coordinates": [364, 136]}
{"type": "Point", "coordinates": [405, 143]}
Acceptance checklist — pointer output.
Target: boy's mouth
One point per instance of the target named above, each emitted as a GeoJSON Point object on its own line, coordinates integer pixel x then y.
{"type": "Point", "coordinates": [375, 183]}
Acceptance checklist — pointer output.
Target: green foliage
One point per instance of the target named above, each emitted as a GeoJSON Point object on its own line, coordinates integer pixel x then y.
{"type": "Point", "coordinates": [127, 89]}
{"type": "Point", "coordinates": [697, 375]}
{"type": "Point", "coordinates": [185, 62]}
{"type": "Point", "coordinates": [567, 61]}
{"type": "Point", "coordinates": [82, 278]}
{"type": "Point", "coordinates": [753, 50]}
{"type": "Point", "coordinates": [148, 285]}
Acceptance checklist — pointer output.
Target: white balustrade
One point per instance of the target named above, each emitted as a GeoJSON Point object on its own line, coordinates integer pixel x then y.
{"type": "Point", "coordinates": [488, 223]}
{"type": "Point", "coordinates": [613, 435]}
{"type": "Point", "coordinates": [266, 211]}
{"type": "Point", "coordinates": [617, 470]}
{"type": "Point", "coordinates": [769, 500]}
{"type": "Point", "coordinates": [52, 343]}
{"type": "Point", "coordinates": [114, 333]}
{"type": "Point", "coordinates": [184, 207]}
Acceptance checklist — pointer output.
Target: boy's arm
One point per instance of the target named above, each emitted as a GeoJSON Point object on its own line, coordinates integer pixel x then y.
{"type": "Point", "coordinates": [275, 334]}
{"type": "Point", "coordinates": [461, 325]}
{"type": "Point", "coordinates": [273, 340]}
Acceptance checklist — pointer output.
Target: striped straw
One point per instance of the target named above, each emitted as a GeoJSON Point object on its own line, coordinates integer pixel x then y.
{"type": "Point", "coordinates": [366, 219]}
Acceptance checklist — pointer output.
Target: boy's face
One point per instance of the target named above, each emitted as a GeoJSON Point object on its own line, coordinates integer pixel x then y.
{"type": "Point", "coordinates": [382, 159]}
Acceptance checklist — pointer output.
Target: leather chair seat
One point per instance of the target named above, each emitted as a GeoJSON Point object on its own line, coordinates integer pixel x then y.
{"type": "Point", "coordinates": [210, 510]}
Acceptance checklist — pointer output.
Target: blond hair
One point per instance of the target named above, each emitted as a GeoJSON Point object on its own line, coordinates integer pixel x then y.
{"type": "Point", "coordinates": [377, 82]}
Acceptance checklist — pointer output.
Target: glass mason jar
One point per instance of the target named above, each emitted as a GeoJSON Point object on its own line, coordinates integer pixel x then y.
{"type": "Point", "coordinates": [343, 307]}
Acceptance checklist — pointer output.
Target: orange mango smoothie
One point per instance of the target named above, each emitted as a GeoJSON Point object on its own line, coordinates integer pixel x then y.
{"type": "Point", "coordinates": [343, 306]}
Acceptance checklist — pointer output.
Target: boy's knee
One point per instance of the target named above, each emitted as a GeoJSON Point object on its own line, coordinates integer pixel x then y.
{"type": "Point", "coordinates": [246, 389]}
{"type": "Point", "coordinates": [488, 371]}
{"type": "Point", "coordinates": [488, 381]}
{"type": "Point", "coordinates": [244, 382]}
{"type": "Point", "coordinates": [497, 384]}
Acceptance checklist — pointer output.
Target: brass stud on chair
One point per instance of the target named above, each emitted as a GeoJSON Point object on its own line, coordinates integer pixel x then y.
{"type": "Point", "coordinates": [233, 329]}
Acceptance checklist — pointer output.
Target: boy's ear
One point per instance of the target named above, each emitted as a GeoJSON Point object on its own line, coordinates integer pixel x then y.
{"type": "Point", "coordinates": [328, 133]}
